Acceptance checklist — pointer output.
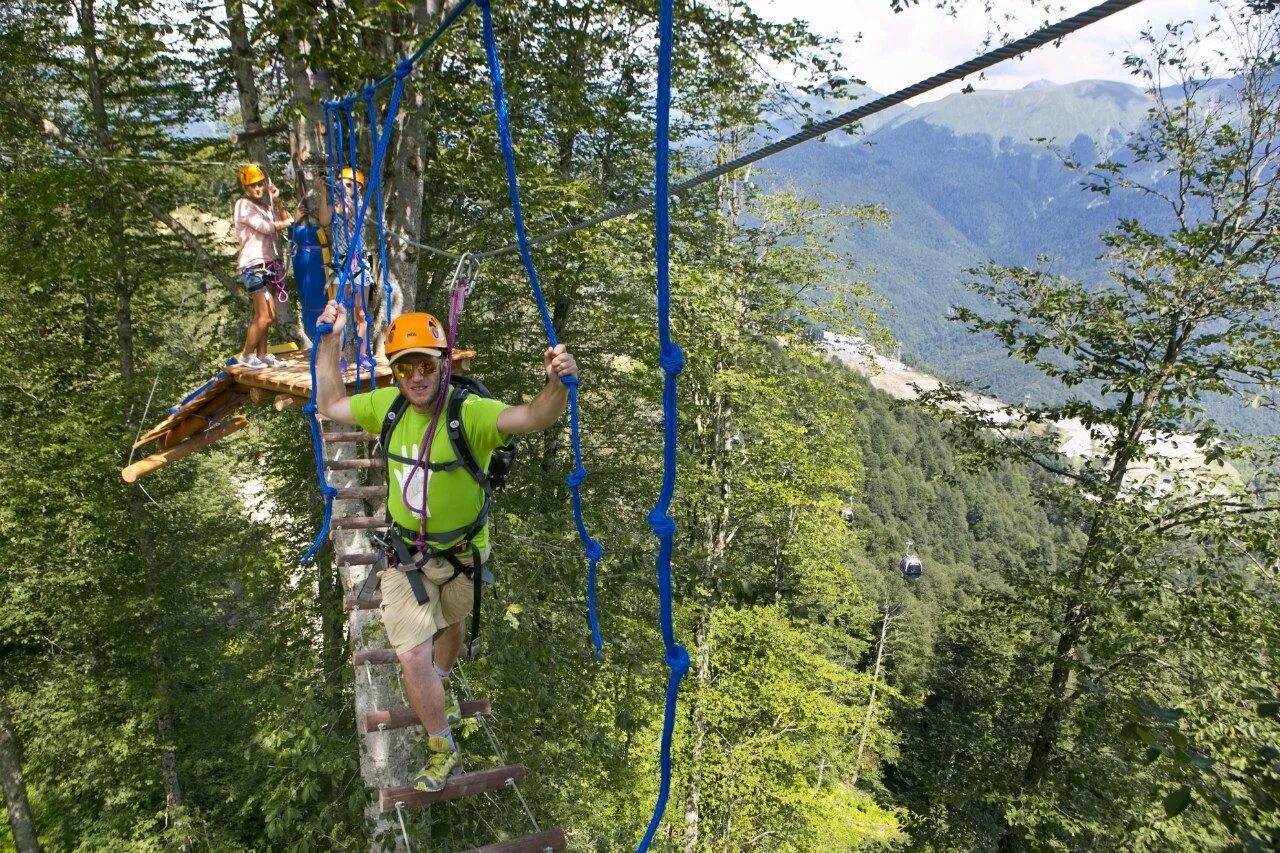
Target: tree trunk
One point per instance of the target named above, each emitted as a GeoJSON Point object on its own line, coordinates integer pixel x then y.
{"type": "Point", "coordinates": [309, 151]}
{"type": "Point", "coordinates": [15, 789]}
{"type": "Point", "coordinates": [702, 672]}
{"type": "Point", "coordinates": [875, 683]}
{"type": "Point", "coordinates": [406, 161]}
{"type": "Point", "coordinates": [246, 84]}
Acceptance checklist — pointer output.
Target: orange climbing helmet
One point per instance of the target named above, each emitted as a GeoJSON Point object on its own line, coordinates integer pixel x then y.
{"type": "Point", "coordinates": [251, 174]}
{"type": "Point", "coordinates": [350, 174]}
{"type": "Point", "coordinates": [418, 332]}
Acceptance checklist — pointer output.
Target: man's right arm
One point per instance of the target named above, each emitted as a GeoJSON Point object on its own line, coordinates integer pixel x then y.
{"type": "Point", "coordinates": [331, 392]}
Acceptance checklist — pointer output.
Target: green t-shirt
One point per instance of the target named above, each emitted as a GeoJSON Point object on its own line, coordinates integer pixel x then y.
{"type": "Point", "coordinates": [454, 498]}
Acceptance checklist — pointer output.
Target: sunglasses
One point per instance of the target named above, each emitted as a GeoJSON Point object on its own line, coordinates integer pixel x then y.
{"type": "Point", "coordinates": [406, 369]}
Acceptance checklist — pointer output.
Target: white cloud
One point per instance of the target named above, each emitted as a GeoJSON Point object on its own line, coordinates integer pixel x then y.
{"type": "Point", "coordinates": [891, 50]}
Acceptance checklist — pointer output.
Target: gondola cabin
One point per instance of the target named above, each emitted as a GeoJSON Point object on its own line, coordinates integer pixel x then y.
{"type": "Point", "coordinates": [911, 567]}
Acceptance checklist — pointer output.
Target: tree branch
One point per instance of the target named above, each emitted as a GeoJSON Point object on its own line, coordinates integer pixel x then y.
{"type": "Point", "coordinates": [56, 135]}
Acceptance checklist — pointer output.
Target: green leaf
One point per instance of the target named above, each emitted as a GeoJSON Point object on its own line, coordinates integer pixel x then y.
{"type": "Point", "coordinates": [1177, 801]}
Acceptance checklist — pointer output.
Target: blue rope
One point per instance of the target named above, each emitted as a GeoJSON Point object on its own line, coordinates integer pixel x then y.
{"type": "Point", "coordinates": [590, 546]}
{"type": "Point", "coordinates": [345, 287]}
{"type": "Point", "coordinates": [309, 410]}
{"type": "Point", "coordinates": [380, 220]}
{"type": "Point", "coordinates": [672, 360]}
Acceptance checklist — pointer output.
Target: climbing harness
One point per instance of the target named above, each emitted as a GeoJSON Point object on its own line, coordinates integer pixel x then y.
{"type": "Point", "coordinates": [278, 276]}
{"type": "Point", "coordinates": [410, 549]}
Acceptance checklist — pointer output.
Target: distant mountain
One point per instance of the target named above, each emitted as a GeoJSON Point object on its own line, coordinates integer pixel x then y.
{"type": "Point", "coordinates": [967, 180]}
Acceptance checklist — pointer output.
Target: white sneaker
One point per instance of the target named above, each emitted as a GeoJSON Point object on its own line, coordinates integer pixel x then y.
{"type": "Point", "coordinates": [270, 360]}
{"type": "Point", "coordinates": [253, 362]}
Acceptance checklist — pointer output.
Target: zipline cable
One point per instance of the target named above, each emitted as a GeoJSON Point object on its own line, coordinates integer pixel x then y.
{"type": "Point", "coordinates": [1039, 38]}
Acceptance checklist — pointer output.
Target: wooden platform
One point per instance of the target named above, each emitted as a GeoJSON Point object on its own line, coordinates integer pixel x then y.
{"type": "Point", "coordinates": [207, 413]}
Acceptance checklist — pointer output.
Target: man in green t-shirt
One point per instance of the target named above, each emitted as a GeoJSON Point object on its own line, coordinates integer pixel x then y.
{"type": "Point", "coordinates": [439, 507]}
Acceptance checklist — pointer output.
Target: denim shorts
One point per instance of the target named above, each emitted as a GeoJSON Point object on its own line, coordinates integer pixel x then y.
{"type": "Point", "coordinates": [255, 279]}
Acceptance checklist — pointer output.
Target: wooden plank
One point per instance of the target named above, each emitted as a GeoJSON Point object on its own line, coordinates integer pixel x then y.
{"type": "Point", "coordinates": [354, 464]}
{"type": "Point", "coordinates": [374, 656]}
{"type": "Point", "coordinates": [360, 522]}
{"type": "Point", "coordinates": [462, 785]}
{"type": "Point", "coordinates": [198, 418]}
{"type": "Point", "coordinates": [191, 403]}
{"type": "Point", "coordinates": [539, 842]}
{"type": "Point", "coordinates": [359, 435]}
{"type": "Point", "coordinates": [403, 718]}
{"type": "Point", "coordinates": [353, 492]}
{"type": "Point", "coordinates": [349, 603]}
{"type": "Point", "coordinates": [151, 463]}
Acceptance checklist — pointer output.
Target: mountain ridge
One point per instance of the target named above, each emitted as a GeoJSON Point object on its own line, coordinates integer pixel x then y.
{"type": "Point", "coordinates": [967, 179]}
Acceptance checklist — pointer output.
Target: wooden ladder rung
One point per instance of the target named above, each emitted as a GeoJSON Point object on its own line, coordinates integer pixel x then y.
{"type": "Point", "coordinates": [361, 492]}
{"type": "Point", "coordinates": [364, 656]}
{"type": "Point", "coordinates": [358, 559]}
{"type": "Point", "coordinates": [348, 436]}
{"type": "Point", "coordinates": [462, 785]}
{"type": "Point", "coordinates": [349, 603]}
{"type": "Point", "coordinates": [353, 464]}
{"type": "Point", "coordinates": [403, 718]}
{"type": "Point", "coordinates": [539, 842]}
{"type": "Point", "coordinates": [360, 522]}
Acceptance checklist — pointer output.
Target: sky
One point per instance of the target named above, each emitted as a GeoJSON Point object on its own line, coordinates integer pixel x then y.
{"type": "Point", "coordinates": [890, 51]}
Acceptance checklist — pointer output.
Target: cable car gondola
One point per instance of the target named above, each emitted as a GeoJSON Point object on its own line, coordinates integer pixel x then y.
{"type": "Point", "coordinates": [911, 566]}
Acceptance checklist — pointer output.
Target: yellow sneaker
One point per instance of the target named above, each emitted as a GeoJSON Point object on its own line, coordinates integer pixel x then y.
{"type": "Point", "coordinates": [442, 762]}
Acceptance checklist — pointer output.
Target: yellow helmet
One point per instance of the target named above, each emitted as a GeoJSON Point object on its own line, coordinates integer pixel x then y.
{"type": "Point", "coordinates": [415, 332]}
{"type": "Point", "coordinates": [350, 174]}
{"type": "Point", "coordinates": [251, 174]}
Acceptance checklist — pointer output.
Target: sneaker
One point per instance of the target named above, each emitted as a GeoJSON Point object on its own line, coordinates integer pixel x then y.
{"type": "Point", "coordinates": [442, 762]}
{"type": "Point", "coordinates": [369, 364]}
{"type": "Point", "coordinates": [252, 362]}
{"type": "Point", "coordinates": [452, 710]}
{"type": "Point", "coordinates": [270, 360]}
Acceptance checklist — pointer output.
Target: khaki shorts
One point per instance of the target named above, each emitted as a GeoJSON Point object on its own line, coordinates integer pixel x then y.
{"type": "Point", "coordinates": [410, 624]}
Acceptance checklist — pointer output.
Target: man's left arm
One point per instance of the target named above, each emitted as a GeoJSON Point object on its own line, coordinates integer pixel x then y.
{"type": "Point", "coordinates": [548, 404]}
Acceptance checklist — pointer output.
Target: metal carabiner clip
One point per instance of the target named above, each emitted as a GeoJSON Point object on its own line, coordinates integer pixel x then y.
{"type": "Point", "coordinates": [467, 273]}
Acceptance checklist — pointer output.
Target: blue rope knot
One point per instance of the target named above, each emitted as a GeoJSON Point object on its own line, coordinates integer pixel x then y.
{"type": "Point", "coordinates": [677, 658]}
{"type": "Point", "coordinates": [593, 550]}
{"type": "Point", "coordinates": [671, 358]}
{"type": "Point", "coordinates": [347, 102]}
{"type": "Point", "coordinates": [664, 526]}
{"type": "Point", "coordinates": [569, 381]}
{"type": "Point", "coordinates": [309, 408]}
{"type": "Point", "coordinates": [404, 68]}
{"type": "Point", "coordinates": [328, 491]}
{"type": "Point", "coordinates": [577, 478]}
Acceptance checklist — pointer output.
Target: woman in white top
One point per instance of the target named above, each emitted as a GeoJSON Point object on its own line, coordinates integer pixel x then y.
{"type": "Point", "coordinates": [258, 216]}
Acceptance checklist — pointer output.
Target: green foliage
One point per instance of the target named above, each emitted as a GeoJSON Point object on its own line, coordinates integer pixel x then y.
{"type": "Point", "coordinates": [1119, 707]}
